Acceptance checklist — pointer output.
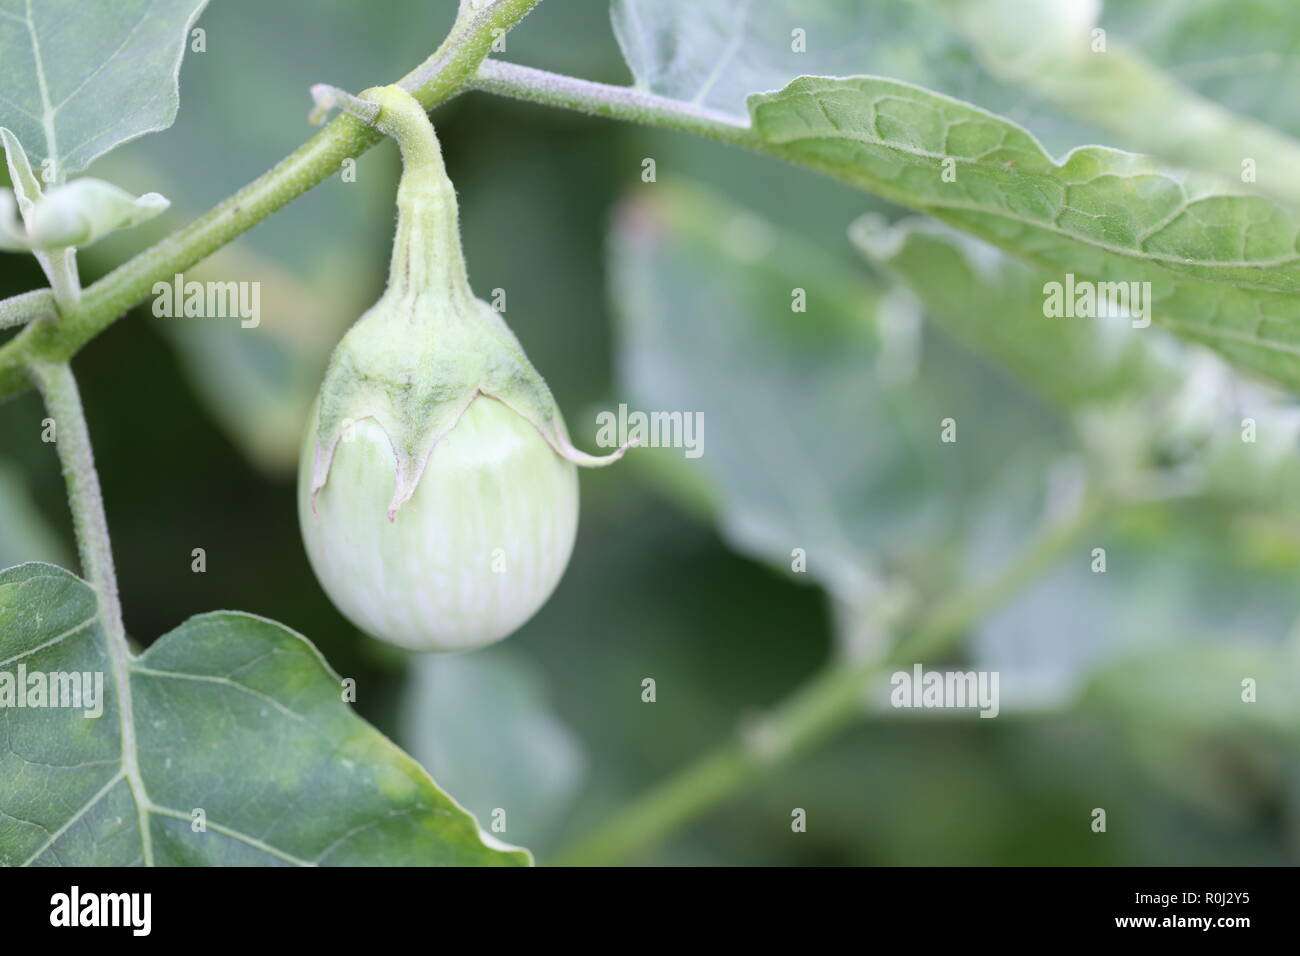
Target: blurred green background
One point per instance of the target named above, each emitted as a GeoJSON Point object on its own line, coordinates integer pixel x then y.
{"type": "Point", "coordinates": [820, 433]}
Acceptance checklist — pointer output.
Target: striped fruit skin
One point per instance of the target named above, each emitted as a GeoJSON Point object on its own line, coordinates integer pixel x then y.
{"type": "Point", "coordinates": [469, 558]}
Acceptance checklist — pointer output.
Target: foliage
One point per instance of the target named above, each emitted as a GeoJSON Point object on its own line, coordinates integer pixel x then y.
{"type": "Point", "coordinates": [958, 182]}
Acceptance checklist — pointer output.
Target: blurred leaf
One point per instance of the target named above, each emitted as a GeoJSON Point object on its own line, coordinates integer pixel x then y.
{"type": "Point", "coordinates": [13, 238]}
{"type": "Point", "coordinates": [821, 428]}
{"type": "Point", "coordinates": [24, 534]}
{"type": "Point", "coordinates": [229, 713]}
{"type": "Point", "coordinates": [1049, 47]}
{"type": "Point", "coordinates": [259, 382]}
{"type": "Point", "coordinates": [994, 304]}
{"type": "Point", "coordinates": [483, 727]}
{"type": "Point", "coordinates": [81, 78]}
{"type": "Point", "coordinates": [1199, 689]}
{"type": "Point", "coordinates": [1238, 53]}
{"type": "Point", "coordinates": [1180, 579]}
{"type": "Point", "coordinates": [1230, 438]}
{"type": "Point", "coordinates": [714, 53]}
{"type": "Point", "coordinates": [1171, 81]}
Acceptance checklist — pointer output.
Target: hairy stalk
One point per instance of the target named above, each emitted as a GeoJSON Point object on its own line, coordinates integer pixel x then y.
{"type": "Point", "coordinates": [829, 702]}
{"type": "Point", "coordinates": [60, 266]}
{"type": "Point", "coordinates": [600, 99]}
{"type": "Point", "coordinates": [27, 307]}
{"type": "Point", "coordinates": [436, 80]}
{"type": "Point", "coordinates": [57, 385]}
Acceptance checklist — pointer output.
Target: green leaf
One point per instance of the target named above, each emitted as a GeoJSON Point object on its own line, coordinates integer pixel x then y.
{"type": "Point", "coordinates": [994, 304]}
{"type": "Point", "coordinates": [1200, 689]}
{"type": "Point", "coordinates": [1182, 579]}
{"type": "Point", "coordinates": [1223, 266]}
{"type": "Point", "coordinates": [482, 724]}
{"type": "Point", "coordinates": [1238, 53]}
{"type": "Point", "coordinates": [1050, 48]}
{"type": "Point", "coordinates": [13, 238]}
{"type": "Point", "coordinates": [27, 535]}
{"type": "Point", "coordinates": [822, 427]}
{"type": "Point", "coordinates": [27, 190]}
{"type": "Point", "coordinates": [1174, 402]}
{"type": "Point", "coordinates": [230, 714]}
{"type": "Point", "coordinates": [81, 78]}
{"type": "Point", "coordinates": [259, 382]}
{"type": "Point", "coordinates": [1193, 83]}
{"type": "Point", "coordinates": [714, 53]}
{"type": "Point", "coordinates": [78, 213]}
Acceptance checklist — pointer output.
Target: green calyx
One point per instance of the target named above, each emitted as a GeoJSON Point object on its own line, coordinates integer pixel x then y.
{"type": "Point", "coordinates": [415, 360]}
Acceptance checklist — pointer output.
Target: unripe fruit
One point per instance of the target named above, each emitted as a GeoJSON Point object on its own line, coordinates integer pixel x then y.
{"type": "Point", "coordinates": [437, 490]}
{"type": "Point", "coordinates": [477, 549]}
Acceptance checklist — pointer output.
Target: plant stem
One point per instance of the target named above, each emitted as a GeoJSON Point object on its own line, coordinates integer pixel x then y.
{"type": "Point", "coordinates": [950, 618]}
{"type": "Point", "coordinates": [58, 386]}
{"type": "Point", "coordinates": [827, 703]}
{"type": "Point", "coordinates": [72, 439]}
{"type": "Point", "coordinates": [601, 99]}
{"type": "Point", "coordinates": [28, 307]}
{"type": "Point", "coordinates": [436, 80]}
{"type": "Point", "coordinates": [60, 266]}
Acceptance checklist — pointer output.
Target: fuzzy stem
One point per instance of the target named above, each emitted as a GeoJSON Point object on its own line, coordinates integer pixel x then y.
{"type": "Point", "coordinates": [426, 247]}
{"type": "Point", "coordinates": [601, 99]}
{"type": "Point", "coordinates": [830, 701]}
{"type": "Point", "coordinates": [58, 386]}
{"type": "Point", "coordinates": [436, 80]}
{"type": "Point", "coordinates": [72, 440]}
{"type": "Point", "coordinates": [61, 267]}
{"type": "Point", "coordinates": [28, 307]}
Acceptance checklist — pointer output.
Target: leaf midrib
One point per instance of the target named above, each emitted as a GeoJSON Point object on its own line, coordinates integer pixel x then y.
{"type": "Point", "coordinates": [47, 120]}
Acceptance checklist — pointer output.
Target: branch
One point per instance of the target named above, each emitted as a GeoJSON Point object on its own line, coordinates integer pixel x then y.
{"type": "Point", "coordinates": [28, 307]}
{"type": "Point", "coordinates": [600, 99]}
{"type": "Point", "coordinates": [826, 704]}
{"type": "Point", "coordinates": [72, 440]}
{"type": "Point", "coordinates": [436, 80]}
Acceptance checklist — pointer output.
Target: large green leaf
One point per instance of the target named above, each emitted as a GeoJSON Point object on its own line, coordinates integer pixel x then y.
{"type": "Point", "coordinates": [1223, 266]}
{"type": "Point", "coordinates": [230, 714]}
{"type": "Point", "coordinates": [80, 78]}
{"type": "Point", "coordinates": [714, 53]}
{"type": "Point", "coordinates": [822, 428]}
{"type": "Point", "coordinates": [1193, 83]}
{"type": "Point", "coordinates": [1221, 258]}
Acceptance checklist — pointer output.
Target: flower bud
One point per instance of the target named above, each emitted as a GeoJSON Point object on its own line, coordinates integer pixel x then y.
{"type": "Point", "coordinates": [437, 491]}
